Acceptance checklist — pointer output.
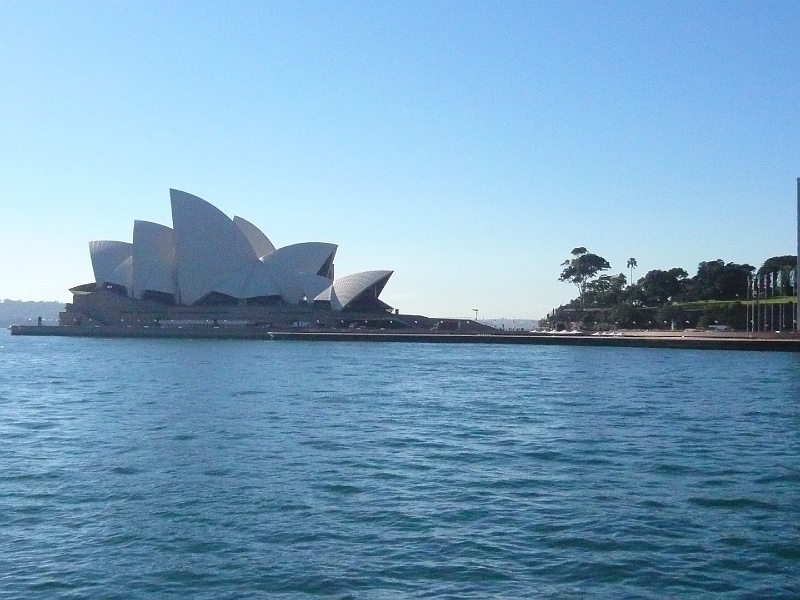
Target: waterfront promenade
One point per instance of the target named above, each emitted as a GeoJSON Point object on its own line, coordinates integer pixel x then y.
{"type": "Point", "coordinates": [701, 340]}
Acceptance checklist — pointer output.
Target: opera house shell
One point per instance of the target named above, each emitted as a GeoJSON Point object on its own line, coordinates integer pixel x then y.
{"type": "Point", "coordinates": [207, 260]}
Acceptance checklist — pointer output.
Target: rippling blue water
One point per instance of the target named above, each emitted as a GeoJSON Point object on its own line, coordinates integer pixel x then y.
{"type": "Point", "coordinates": [225, 469]}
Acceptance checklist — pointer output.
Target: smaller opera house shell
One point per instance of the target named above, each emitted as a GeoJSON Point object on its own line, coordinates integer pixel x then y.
{"type": "Point", "coordinates": [208, 265]}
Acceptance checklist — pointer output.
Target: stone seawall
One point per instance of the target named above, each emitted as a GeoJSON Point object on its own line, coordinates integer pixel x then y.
{"type": "Point", "coordinates": [693, 340]}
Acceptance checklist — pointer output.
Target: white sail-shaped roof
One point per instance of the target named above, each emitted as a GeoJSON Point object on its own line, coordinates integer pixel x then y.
{"type": "Point", "coordinates": [296, 269]}
{"type": "Point", "coordinates": [313, 285]}
{"type": "Point", "coordinates": [236, 281]}
{"type": "Point", "coordinates": [206, 252]}
{"type": "Point", "coordinates": [259, 283]}
{"type": "Point", "coordinates": [155, 259]}
{"type": "Point", "coordinates": [123, 275]}
{"type": "Point", "coordinates": [212, 251]}
{"type": "Point", "coordinates": [106, 256]}
{"type": "Point", "coordinates": [351, 287]}
{"type": "Point", "coordinates": [306, 257]}
{"type": "Point", "coordinates": [260, 242]}
{"type": "Point", "coordinates": [294, 287]}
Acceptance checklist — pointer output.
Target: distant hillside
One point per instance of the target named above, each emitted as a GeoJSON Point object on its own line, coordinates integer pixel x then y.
{"type": "Point", "coordinates": [511, 324]}
{"type": "Point", "coordinates": [19, 312]}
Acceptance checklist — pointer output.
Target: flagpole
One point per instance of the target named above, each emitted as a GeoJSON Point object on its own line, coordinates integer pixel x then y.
{"type": "Point", "coordinates": [772, 306]}
{"type": "Point", "coordinates": [780, 306]}
{"type": "Point", "coordinates": [758, 295]}
{"type": "Point", "coordinates": [750, 304]}
{"type": "Point", "coordinates": [747, 318]}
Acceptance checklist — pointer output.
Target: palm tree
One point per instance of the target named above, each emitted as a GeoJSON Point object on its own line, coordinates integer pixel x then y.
{"type": "Point", "coordinates": [632, 264]}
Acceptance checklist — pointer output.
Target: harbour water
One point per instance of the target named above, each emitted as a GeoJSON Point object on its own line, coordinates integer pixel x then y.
{"type": "Point", "coordinates": [237, 469]}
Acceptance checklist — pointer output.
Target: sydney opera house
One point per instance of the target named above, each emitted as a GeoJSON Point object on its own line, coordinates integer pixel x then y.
{"type": "Point", "coordinates": [209, 268]}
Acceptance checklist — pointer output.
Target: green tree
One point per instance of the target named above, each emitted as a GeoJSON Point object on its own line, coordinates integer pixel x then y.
{"type": "Point", "coordinates": [778, 263]}
{"type": "Point", "coordinates": [632, 264]}
{"type": "Point", "coordinates": [718, 280]}
{"type": "Point", "coordinates": [605, 291]}
{"type": "Point", "coordinates": [582, 268]}
{"type": "Point", "coordinates": [783, 265]}
{"type": "Point", "coordinates": [660, 286]}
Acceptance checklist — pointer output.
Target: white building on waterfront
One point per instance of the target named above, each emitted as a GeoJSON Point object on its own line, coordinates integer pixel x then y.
{"type": "Point", "coordinates": [206, 259]}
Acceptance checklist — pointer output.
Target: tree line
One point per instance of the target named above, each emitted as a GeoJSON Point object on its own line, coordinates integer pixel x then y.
{"type": "Point", "coordinates": [715, 295]}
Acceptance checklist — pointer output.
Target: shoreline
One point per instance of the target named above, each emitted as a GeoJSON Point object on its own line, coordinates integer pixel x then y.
{"type": "Point", "coordinates": [698, 340]}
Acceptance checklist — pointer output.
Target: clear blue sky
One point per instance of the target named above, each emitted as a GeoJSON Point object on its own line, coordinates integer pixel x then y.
{"type": "Point", "coordinates": [468, 146]}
